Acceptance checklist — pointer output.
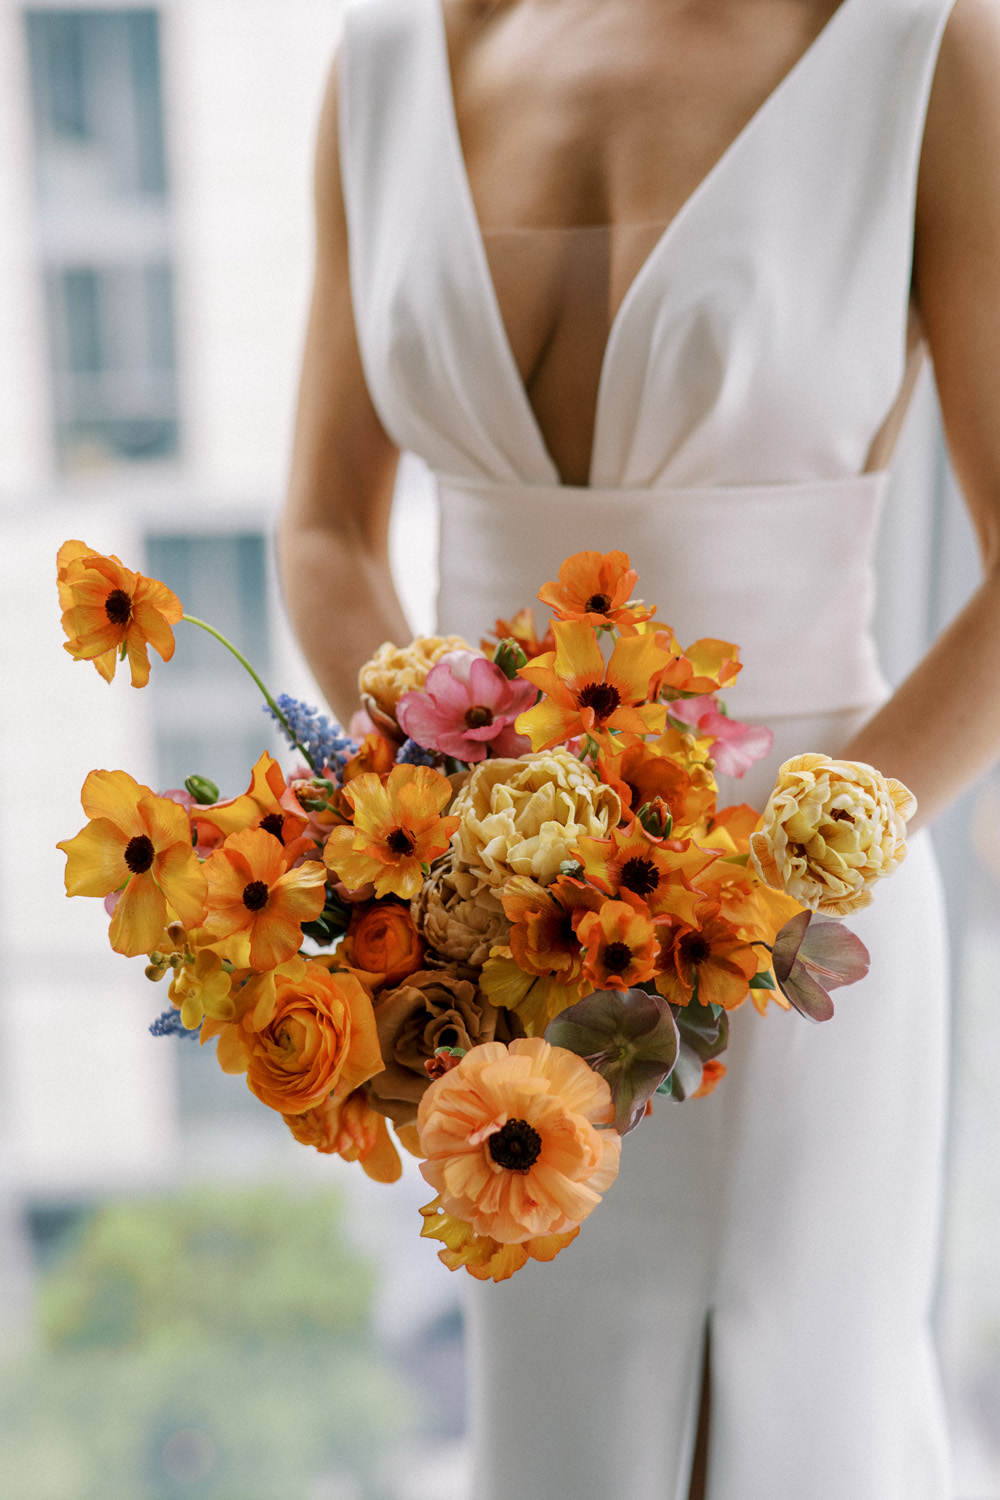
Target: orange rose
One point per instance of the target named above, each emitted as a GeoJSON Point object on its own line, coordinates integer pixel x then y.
{"type": "Point", "coordinates": [383, 940]}
{"type": "Point", "coordinates": [350, 1128]}
{"type": "Point", "coordinates": [319, 1035]}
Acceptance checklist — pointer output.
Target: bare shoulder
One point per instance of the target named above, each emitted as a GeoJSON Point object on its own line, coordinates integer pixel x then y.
{"type": "Point", "coordinates": [961, 151]}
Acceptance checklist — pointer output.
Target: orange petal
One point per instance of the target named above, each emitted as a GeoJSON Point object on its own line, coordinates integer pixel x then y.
{"type": "Point", "coordinates": [115, 795]}
{"type": "Point", "coordinates": [95, 859]}
{"type": "Point", "coordinates": [140, 917]}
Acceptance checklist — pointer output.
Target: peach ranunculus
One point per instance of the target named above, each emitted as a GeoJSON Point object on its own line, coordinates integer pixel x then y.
{"type": "Point", "coordinates": [350, 1128]}
{"type": "Point", "coordinates": [382, 940]}
{"type": "Point", "coordinates": [109, 610]}
{"type": "Point", "coordinates": [319, 1036]}
{"type": "Point", "coordinates": [830, 830]}
{"type": "Point", "coordinates": [512, 1143]}
{"type": "Point", "coordinates": [395, 670]}
{"type": "Point", "coordinates": [139, 842]}
{"type": "Point", "coordinates": [523, 817]}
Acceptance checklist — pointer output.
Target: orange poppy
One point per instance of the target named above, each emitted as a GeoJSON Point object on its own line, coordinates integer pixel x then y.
{"type": "Point", "coordinates": [596, 587]}
{"type": "Point", "coordinates": [712, 1074]}
{"type": "Point", "coordinates": [705, 667]}
{"type": "Point", "coordinates": [620, 945]}
{"type": "Point", "coordinates": [398, 829]}
{"type": "Point", "coordinates": [350, 1128]}
{"type": "Point", "coordinates": [713, 961]}
{"type": "Point", "coordinates": [585, 695]}
{"type": "Point", "coordinates": [640, 773]}
{"type": "Point", "coordinates": [540, 972]}
{"type": "Point", "coordinates": [262, 805]}
{"type": "Point", "coordinates": [652, 875]}
{"type": "Point", "coordinates": [251, 889]}
{"type": "Point", "coordinates": [111, 612]}
{"type": "Point", "coordinates": [139, 844]}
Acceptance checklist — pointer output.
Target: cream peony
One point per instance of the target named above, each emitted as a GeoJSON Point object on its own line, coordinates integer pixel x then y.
{"type": "Point", "coordinates": [524, 817]}
{"type": "Point", "coordinates": [831, 828]}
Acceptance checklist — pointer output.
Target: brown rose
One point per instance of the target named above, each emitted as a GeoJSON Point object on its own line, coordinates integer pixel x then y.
{"type": "Point", "coordinates": [383, 940]}
{"type": "Point", "coordinates": [431, 1009]}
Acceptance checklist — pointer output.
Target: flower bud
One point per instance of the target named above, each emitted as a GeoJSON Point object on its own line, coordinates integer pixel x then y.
{"type": "Point", "coordinates": [656, 818]}
{"type": "Point", "coordinates": [509, 657]}
{"type": "Point", "coordinates": [203, 791]}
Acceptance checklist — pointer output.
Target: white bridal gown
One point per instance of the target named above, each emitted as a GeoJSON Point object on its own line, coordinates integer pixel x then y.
{"type": "Point", "coordinates": [795, 1212]}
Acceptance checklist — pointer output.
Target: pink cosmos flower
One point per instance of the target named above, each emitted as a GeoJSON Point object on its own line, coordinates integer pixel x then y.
{"type": "Point", "coordinates": [466, 708]}
{"type": "Point", "coordinates": [736, 746]}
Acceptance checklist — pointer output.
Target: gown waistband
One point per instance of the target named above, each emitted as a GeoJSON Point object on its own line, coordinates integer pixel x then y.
{"type": "Point", "coordinates": [785, 571]}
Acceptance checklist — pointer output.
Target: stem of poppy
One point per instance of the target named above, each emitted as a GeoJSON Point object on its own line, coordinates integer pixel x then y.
{"type": "Point", "coordinates": [203, 625]}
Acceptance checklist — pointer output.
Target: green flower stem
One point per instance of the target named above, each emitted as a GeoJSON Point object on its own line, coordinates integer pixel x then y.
{"type": "Point", "coordinates": [203, 625]}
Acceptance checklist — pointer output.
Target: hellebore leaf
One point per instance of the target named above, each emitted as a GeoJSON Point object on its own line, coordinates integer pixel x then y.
{"type": "Point", "coordinates": [629, 1037]}
{"type": "Point", "coordinates": [813, 955]}
{"type": "Point", "coordinates": [704, 1033]}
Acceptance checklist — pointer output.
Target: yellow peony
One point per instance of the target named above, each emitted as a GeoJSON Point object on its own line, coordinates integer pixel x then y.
{"type": "Point", "coordinates": [525, 817]}
{"type": "Point", "coordinates": [395, 670]}
{"type": "Point", "coordinates": [831, 828]}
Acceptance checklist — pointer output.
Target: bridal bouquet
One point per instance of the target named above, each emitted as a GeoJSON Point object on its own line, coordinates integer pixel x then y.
{"type": "Point", "coordinates": [503, 914]}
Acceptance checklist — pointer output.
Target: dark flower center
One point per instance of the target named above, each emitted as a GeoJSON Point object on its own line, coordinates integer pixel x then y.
{"type": "Point", "coordinates": [602, 697]}
{"type": "Point", "coordinates": [399, 842]}
{"type": "Point", "coordinates": [639, 875]}
{"type": "Point", "coordinates": [255, 895]}
{"type": "Point", "coordinates": [697, 950]}
{"type": "Point", "coordinates": [139, 854]}
{"type": "Point", "coordinates": [617, 957]}
{"type": "Point", "coordinates": [274, 824]}
{"type": "Point", "coordinates": [478, 717]}
{"type": "Point", "coordinates": [118, 607]}
{"type": "Point", "coordinates": [516, 1147]}
{"type": "Point", "coordinates": [598, 604]}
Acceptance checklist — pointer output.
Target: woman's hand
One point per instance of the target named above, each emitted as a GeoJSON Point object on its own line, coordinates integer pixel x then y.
{"type": "Point", "coordinates": [333, 537]}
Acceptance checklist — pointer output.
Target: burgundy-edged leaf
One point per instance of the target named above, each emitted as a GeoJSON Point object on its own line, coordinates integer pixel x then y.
{"type": "Point", "coordinates": [833, 954]}
{"type": "Point", "coordinates": [809, 997]}
{"type": "Point", "coordinates": [787, 944]}
{"type": "Point", "coordinates": [629, 1038]}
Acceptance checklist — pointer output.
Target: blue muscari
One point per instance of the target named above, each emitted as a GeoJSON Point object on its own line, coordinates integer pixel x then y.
{"type": "Point", "coordinates": [323, 740]}
{"type": "Point", "coordinates": [169, 1024]}
{"type": "Point", "coordinates": [412, 754]}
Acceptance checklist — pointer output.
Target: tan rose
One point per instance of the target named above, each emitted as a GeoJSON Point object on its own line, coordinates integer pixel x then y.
{"type": "Point", "coordinates": [395, 670]}
{"type": "Point", "coordinates": [460, 928]}
{"type": "Point", "coordinates": [524, 817]}
{"type": "Point", "coordinates": [433, 1008]}
{"type": "Point", "coordinates": [831, 828]}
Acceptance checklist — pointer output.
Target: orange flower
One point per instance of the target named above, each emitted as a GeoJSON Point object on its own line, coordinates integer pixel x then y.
{"type": "Point", "coordinates": [706, 667]}
{"type": "Point", "coordinates": [383, 941]}
{"type": "Point", "coordinates": [262, 805]}
{"type": "Point", "coordinates": [713, 961]}
{"type": "Point", "coordinates": [140, 844]}
{"type": "Point", "coordinates": [350, 1128]}
{"type": "Point", "coordinates": [511, 1143]}
{"type": "Point", "coordinates": [252, 889]}
{"type": "Point", "coordinates": [712, 1074]}
{"type": "Point", "coordinates": [540, 973]}
{"type": "Point", "coordinates": [652, 875]}
{"type": "Point", "coordinates": [641, 773]}
{"type": "Point", "coordinates": [374, 754]}
{"type": "Point", "coordinates": [621, 946]}
{"type": "Point", "coordinates": [398, 829]}
{"type": "Point", "coordinates": [585, 696]}
{"type": "Point", "coordinates": [484, 1258]}
{"type": "Point", "coordinates": [596, 587]}
{"type": "Point", "coordinates": [320, 1036]}
{"type": "Point", "coordinates": [110, 611]}
{"type": "Point", "coordinates": [522, 630]}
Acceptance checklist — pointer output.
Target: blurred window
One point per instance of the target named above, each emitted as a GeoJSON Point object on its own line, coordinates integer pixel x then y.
{"type": "Point", "coordinates": [105, 234]}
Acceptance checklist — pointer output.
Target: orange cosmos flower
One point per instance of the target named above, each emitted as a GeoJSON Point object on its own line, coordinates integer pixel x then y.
{"type": "Point", "coordinates": [262, 805]}
{"type": "Point", "coordinates": [398, 829]}
{"type": "Point", "coordinates": [641, 773]}
{"type": "Point", "coordinates": [484, 1258]}
{"type": "Point", "coordinates": [251, 889]}
{"type": "Point", "coordinates": [109, 610]}
{"type": "Point", "coordinates": [319, 1037]}
{"type": "Point", "coordinates": [522, 630]}
{"type": "Point", "coordinates": [713, 961]}
{"type": "Point", "coordinates": [652, 875]}
{"type": "Point", "coordinates": [621, 946]}
{"type": "Point", "coordinates": [540, 972]}
{"type": "Point", "coordinates": [596, 587]}
{"type": "Point", "coordinates": [585, 696]}
{"type": "Point", "coordinates": [708, 666]}
{"type": "Point", "coordinates": [511, 1143]}
{"type": "Point", "coordinates": [139, 844]}
{"type": "Point", "coordinates": [350, 1128]}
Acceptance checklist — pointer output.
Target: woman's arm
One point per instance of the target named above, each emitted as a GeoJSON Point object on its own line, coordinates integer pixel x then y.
{"type": "Point", "coordinates": [333, 537]}
{"type": "Point", "coordinates": [941, 728]}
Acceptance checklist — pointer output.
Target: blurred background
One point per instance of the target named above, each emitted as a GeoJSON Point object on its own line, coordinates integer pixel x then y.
{"type": "Point", "coordinates": [190, 1303]}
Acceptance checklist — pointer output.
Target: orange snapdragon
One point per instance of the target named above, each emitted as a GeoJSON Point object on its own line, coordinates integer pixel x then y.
{"type": "Point", "coordinates": [109, 611]}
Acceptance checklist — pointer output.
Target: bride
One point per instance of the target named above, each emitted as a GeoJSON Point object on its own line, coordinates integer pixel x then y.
{"type": "Point", "coordinates": [657, 275]}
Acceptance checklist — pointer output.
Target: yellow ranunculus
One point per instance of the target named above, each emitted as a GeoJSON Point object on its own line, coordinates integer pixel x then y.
{"type": "Point", "coordinates": [524, 817]}
{"type": "Point", "coordinates": [831, 828]}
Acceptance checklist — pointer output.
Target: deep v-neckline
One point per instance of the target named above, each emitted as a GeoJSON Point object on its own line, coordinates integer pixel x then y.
{"type": "Point", "coordinates": [469, 220]}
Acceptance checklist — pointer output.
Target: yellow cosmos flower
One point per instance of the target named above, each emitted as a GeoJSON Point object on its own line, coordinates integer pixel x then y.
{"type": "Point", "coordinates": [109, 610]}
{"type": "Point", "coordinates": [583, 694]}
{"type": "Point", "coordinates": [398, 829]}
{"type": "Point", "coordinates": [139, 844]}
